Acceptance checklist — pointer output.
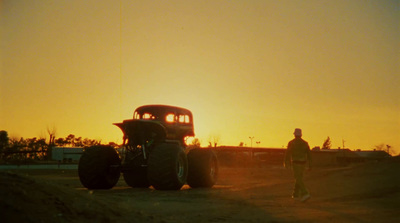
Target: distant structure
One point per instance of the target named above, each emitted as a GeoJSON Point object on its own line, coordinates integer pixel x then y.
{"type": "Point", "coordinates": [373, 155]}
{"type": "Point", "coordinates": [66, 154]}
{"type": "Point", "coordinates": [248, 156]}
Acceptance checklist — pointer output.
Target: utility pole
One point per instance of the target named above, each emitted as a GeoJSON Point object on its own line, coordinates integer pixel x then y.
{"type": "Point", "coordinates": [251, 140]}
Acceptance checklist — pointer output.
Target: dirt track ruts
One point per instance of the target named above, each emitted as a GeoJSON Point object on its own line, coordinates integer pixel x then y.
{"type": "Point", "coordinates": [367, 192]}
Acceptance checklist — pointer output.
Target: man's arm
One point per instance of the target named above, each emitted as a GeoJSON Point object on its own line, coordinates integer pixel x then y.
{"type": "Point", "coordinates": [288, 157]}
{"type": "Point", "coordinates": [309, 159]}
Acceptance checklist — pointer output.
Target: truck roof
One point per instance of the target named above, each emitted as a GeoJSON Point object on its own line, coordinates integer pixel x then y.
{"type": "Point", "coordinates": [163, 109]}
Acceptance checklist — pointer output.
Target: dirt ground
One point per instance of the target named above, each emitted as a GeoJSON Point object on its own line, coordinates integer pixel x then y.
{"type": "Point", "coordinates": [368, 192]}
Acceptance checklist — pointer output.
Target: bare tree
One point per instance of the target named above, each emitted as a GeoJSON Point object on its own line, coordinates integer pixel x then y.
{"type": "Point", "coordinates": [213, 141]}
{"type": "Point", "coordinates": [52, 137]}
{"type": "Point", "coordinates": [52, 134]}
{"type": "Point", "coordinates": [386, 148]}
{"type": "Point", "coordinates": [380, 147]}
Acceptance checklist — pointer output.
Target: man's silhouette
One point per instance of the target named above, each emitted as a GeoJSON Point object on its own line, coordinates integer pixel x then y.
{"type": "Point", "coordinates": [298, 156]}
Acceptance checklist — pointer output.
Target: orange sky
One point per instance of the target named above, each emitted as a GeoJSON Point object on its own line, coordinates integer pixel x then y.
{"type": "Point", "coordinates": [244, 68]}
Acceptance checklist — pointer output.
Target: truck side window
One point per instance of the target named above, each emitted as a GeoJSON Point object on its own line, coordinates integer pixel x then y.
{"type": "Point", "coordinates": [170, 118]}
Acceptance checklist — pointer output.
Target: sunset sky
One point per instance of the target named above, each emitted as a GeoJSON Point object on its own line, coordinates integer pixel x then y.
{"type": "Point", "coordinates": [256, 68]}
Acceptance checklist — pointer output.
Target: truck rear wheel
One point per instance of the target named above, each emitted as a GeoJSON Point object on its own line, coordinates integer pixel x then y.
{"type": "Point", "coordinates": [203, 168]}
{"type": "Point", "coordinates": [167, 167]}
{"type": "Point", "coordinates": [99, 167]}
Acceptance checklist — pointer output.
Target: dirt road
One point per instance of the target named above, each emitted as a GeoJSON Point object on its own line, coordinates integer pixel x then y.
{"type": "Point", "coordinates": [367, 192]}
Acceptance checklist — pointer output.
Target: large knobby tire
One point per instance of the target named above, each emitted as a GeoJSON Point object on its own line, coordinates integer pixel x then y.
{"type": "Point", "coordinates": [99, 167]}
{"type": "Point", "coordinates": [135, 173]}
{"type": "Point", "coordinates": [203, 168]}
{"type": "Point", "coordinates": [167, 167]}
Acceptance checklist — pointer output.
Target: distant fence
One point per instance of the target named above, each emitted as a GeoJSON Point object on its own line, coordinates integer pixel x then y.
{"type": "Point", "coordinates": [22, 157]}
{"type": "Point", "coordinates": [59, 154]}
{"type": "Point", "coordinates": [40, 167]}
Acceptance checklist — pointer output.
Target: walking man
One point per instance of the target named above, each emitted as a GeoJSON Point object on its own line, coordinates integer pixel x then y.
{"type": "Point", "coordinates": [297, 157]}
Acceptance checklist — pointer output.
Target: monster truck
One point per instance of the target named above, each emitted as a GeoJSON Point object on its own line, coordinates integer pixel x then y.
{"type": "Point", "coordinates": [155, 154]}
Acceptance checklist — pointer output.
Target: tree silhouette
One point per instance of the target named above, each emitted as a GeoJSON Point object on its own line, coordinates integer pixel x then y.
{"type": "Point", "coordinates": [3, 141]}
{"type": "Point", "coordinates": [20, 149]}
{"type": "Point", "coordinates": [386, 148]}
{"type": "Point", "coordinates": [196, 142]}
{"type": "Point", "coordinates": [60, 142]}
{"type": "Point", "coordinates": [70, 140]}
{"type": "Point", "coordinates": [327, 143]}
{"type": "Point", "coordinates": [78, 142]}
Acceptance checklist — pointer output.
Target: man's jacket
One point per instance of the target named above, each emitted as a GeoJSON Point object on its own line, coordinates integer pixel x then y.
{"type": "Point", "coordinates": [298, 151]}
